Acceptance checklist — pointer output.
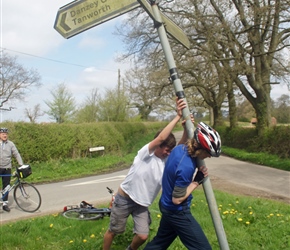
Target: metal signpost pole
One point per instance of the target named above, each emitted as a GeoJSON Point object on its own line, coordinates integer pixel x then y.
{"type": "Point", "coordinates": [81, 15]}
{"type": "Point", "coordinates": [189, 126]}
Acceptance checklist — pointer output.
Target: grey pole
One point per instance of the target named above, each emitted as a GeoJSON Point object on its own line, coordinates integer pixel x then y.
{"type": "Point", "coordinates": [219, 229]}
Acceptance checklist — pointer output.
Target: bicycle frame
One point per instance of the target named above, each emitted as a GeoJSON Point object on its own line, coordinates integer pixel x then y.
{"type": "Point", "coordinates": [25, 195]}
{"type": "Point", "coordinates": [86, 211]}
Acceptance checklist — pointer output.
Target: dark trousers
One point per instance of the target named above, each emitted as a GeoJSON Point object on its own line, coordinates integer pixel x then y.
{"type": "Point", "coordinates": [5, 179]}
{"type": "Point", "coordinates": [182, 224]}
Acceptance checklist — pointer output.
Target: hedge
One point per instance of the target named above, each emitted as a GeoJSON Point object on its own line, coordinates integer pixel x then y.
{"type": "Point", "coordinates": [43, 142]}
{"type": "Point", "coordinates": [275, 140]}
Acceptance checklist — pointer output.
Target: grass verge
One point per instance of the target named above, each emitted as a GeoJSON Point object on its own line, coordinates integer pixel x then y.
{"type": "Point", "coordinates": [249, 224]}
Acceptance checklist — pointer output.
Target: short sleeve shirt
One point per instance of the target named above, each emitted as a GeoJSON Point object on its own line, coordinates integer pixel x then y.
{"type": "Point", "coordinates": [143, 182]}
{"type": "Point", "coordinates": [179, 170]}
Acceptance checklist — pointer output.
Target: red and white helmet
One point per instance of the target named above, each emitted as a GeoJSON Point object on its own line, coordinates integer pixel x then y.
{"type": "Point", "coordinates": [208, 138]}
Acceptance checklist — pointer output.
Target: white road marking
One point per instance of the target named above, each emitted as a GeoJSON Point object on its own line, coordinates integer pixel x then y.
{"type": "Point", "coordinates": [109, 179]}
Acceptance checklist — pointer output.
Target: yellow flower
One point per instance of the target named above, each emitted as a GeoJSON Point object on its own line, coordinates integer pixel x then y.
{"type": "Point", "coordinates": [51, 225]}
{"type": "Point", "coordinates": [225, 212]}
{"type": "Point", "coordinates": [84, 240]}
{"type": "Point", "coordinates": [92, 236]}
{"type": "Point", "coordinates": [237, 202]}
{"type": "Point", "coordinates": [158, 215]}
{"type": "Point", "coordinates": [240, 219]}
{"type": "Point", "coordinates": [248, 223]}
{"type": "Point", "coordinates": [71, 241]}
{"type": "Point", "coordinates": [251, 212]}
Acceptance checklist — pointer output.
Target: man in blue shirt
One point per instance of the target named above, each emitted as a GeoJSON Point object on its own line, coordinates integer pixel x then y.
{"type": "Point", "coordinates": [181, 176]}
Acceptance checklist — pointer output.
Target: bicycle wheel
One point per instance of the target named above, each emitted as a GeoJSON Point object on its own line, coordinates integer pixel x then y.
{"type": "Point", "coordinates": [82, 214]}
{"type": "Point", "coordinates": [27, 197]}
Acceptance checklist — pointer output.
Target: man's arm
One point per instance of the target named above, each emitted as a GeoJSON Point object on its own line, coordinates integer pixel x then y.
{"type": "Point", "coordinates": [181, 104]}
{"type": "Point", "coordinates": [16, 154]}
{"type": "Point", "coordinates": [184, 137]}
{"type": "Point", "coordinates": [180, 194]}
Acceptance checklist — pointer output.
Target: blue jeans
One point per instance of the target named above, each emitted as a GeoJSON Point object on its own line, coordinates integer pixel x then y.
{"type": "Point", "coordinates": [182, 224]}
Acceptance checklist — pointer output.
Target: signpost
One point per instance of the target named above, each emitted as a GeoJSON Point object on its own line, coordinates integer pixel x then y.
{"type": "Point", "coordinates": [81, 15]}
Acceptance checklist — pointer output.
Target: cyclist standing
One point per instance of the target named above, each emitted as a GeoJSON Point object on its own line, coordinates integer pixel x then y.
{"type": "Point", "coordinates": [7, 150]}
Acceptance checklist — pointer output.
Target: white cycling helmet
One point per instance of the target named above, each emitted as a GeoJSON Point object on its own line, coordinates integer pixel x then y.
{"type": "Point", "coordinates": [3, 130]}
{"type": "Point", "coordinates": [208, 139]}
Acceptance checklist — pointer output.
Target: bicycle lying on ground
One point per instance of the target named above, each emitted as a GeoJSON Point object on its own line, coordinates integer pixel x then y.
{"type": "Point", "coordinates": [86, 211]}
{"type": "Point", "coordinates": [26, 195]}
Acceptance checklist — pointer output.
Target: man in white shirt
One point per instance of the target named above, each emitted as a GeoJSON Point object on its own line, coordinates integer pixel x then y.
{"type": "Point", "coordinates": [142, 184]}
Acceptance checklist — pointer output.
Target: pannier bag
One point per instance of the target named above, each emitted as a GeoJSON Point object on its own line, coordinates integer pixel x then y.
{"type": "Point", "coordinates": [24, 171]}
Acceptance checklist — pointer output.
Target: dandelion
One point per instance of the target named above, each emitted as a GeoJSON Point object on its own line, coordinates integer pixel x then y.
{"type": "Point", "coordinates": [250, 212]}
{"type": "Point", "coordinates": [84, 240]}
{"type": "Point", "coordinates": [271, 214]}
{"type": "Point", "coordinates": [237, 202]}
{"type": "Point", "coordinates": [249, 207]}
{"type": "Point", "coordinates": [193, 205]}
{"type": "Point", "coordinates": [220, 205]}
{"type": "Point", "coordinates": [247, 223]}
{"type": "Point", "coordinates": [278, 215]}
{"type": "Point", "coordinates": [51, 225]}
{"type": "Point", "coordinates": [230, 204]}
{"type": "Point", "coordinates": [71, 241]}
{"type": "Point", "coordinates": [158, 215]}
{"type": "Point", "coordinates": [226, 212]}
{"type": "Point", "coordinates": [92, 236]}
{"type": "Point", "coordinates": [240, 219]}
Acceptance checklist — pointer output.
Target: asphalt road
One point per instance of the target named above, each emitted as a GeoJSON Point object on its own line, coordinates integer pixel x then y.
{"type": "Point", "coordinates": [93, 189]}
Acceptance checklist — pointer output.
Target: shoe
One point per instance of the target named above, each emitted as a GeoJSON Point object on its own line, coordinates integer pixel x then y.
{"type": "Point", "coordinates": [6, 208]}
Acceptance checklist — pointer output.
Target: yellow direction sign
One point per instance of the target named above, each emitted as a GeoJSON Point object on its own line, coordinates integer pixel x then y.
{"type": "Point", "coordinates": [170, 27]}
{"type": "Point", "coordinates": [81, 15]}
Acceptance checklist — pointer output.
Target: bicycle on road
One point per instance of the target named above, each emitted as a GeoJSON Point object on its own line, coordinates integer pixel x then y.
{"type": "Point", "coordinates": [86, 211]}
{"type": "Point", "coordinates": [26, 195]}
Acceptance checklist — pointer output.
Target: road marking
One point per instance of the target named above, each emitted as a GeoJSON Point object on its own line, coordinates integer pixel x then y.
{"type": "Point", "coordinates": [109, 179]}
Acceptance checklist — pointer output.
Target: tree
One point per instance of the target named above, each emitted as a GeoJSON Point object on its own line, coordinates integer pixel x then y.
{"type": "Point", "coordinates": [63, 106]}
{"type": "Point", "coordinates": [148, 91]}
{"type": "Point", "coordinates": [114, 105]}
{"type": "Point", "coordinates": [246, 38]}
{"type": "Point", "coordinates": [244, 43]}
{"type": "Point", "coordinates": [15, 80]}
{"type": "Point", "coordinates": [89, 110]}
{"type": "Point", "coordinates": [34, 113]}
{"type": "Point", "coordinates": [245, 111]}
{"type": "Point", "coordinates": [282, 109]}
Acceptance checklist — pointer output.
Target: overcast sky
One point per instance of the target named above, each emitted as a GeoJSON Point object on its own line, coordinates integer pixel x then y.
{"type": "Point", "coordinates": [26, 31]}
